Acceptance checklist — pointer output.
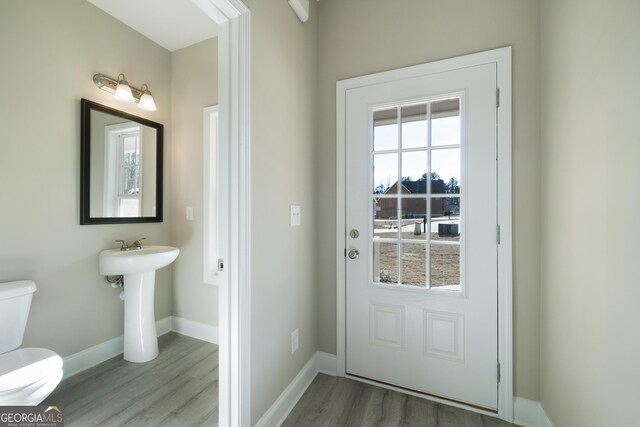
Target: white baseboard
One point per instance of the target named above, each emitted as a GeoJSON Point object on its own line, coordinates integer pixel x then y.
{"type": "Point", "coordinates": [529, 413]}
{"type": "Point", "coordinates": [545, 421]}
{"type": "Point", "coordinates": [319, 363]}
{"type": "Point", "coordinates": [85, 359]}
{"type": "Point", "coordinates": [90, 357]}
{"type": "Point", "coordinates": [326, 363]}
{"type": "Point", "coordinates": [164, 326]}
{"type": "Point", "coordinates": [194, 329]}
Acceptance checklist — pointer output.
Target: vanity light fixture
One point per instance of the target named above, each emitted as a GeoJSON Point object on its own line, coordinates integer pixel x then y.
{"type": "Point", "coordinates": [124, 92]}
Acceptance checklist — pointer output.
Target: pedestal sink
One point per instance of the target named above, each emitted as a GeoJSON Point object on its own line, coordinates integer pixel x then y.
{"type": "Point", "coordinates": [138, 266]}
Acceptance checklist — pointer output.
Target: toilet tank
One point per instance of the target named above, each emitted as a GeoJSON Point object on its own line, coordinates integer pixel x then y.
{"type": "Point", "coordinates": [15, 300]}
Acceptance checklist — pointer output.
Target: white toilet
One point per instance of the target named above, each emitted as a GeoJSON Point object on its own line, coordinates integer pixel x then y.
{"type": "Point", "coordinates": [27, 375]}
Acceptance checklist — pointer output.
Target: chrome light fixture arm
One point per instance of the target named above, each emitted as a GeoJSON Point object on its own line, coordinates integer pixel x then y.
{"type": "Point", "coordinates": [108, 84]}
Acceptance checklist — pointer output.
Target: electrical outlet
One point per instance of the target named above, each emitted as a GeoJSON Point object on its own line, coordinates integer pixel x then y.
{"type": "Point", "coordinates": [294, 341]}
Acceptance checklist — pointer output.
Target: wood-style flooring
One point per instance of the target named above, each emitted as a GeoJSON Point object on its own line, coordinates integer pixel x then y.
{"type": "Point", "coordinates": [178, 388]}
{"type": "Point", "coordinates": [334, 402]}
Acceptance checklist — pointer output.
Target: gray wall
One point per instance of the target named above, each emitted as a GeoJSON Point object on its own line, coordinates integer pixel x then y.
{"type": "Point", "coordinates": [283, 162]}
{"type": "Point", "coordinates": [194, 76]}
{"type": "Point", "coordinates": [50, 51]}
{"type": "Point", "coordinates": [359, 37]}
{"type": "Point", "coordinates": [590, 322]}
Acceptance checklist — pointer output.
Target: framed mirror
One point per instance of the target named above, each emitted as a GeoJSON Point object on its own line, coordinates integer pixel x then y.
{"type": "Point", "coordinates": [120, 167]}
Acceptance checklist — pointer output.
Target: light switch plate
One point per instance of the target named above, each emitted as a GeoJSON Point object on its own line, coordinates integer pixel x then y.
{"type": "Point", "coordinates": [189, 213]}
{"type": "Point", "coordinates": [296, 216]}
{"type": "Point", "coordinates": [294, 341]}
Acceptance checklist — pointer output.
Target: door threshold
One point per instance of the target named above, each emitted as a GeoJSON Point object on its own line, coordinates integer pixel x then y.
{"type": "Point", "coordinates": [435, 398]}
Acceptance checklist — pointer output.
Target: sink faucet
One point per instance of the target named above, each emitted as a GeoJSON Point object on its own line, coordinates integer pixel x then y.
{"type": "Point", "coordinates": [137, 244]}
{"type": "Point", "coordinates": [125, 246]}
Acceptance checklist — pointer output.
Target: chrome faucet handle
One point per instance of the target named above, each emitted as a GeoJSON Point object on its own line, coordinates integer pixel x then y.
{"type": "Point", "coordinates": [137, 243]}
{"type": "Point", "coordinates": [124, 246]}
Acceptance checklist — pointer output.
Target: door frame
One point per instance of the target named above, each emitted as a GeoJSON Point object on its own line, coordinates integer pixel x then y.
{"type": "Point", "coordinates": [502, 58]}
{"type": "Point", "coordinates": [234, 299]}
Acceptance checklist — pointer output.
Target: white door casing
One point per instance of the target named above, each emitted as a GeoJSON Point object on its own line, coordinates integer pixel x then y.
{"type": "Point", "coordinates": [234, 298]}
{"type": "Point", "coordinates": [473, 325]}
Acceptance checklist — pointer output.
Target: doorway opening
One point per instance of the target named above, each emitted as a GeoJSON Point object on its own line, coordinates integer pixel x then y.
{"type": "Point", "coordinates": [234, 309]}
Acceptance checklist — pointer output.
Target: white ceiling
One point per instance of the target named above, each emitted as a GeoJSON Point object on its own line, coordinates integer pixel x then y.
{"type": "Point", "coordinates": [173, 24]}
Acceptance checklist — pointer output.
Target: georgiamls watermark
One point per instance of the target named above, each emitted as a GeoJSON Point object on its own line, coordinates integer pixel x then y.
{"type": "Point", "coordinates": [31, 416]}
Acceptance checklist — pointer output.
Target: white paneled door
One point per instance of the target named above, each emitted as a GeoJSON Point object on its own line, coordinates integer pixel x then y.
{"type": "Point", "coordinates": [421, 218]}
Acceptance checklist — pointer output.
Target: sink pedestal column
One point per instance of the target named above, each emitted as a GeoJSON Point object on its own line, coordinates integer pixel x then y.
{"type": "Point", "coordinates": [140, 339]}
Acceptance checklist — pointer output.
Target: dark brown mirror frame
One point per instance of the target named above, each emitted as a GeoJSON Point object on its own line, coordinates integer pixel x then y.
{"type": "Point", "coordinates": [85, 165]}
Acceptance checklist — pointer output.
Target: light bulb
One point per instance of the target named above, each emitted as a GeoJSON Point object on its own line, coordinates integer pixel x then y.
{"type": "Point", "coordinates": [146, 100]}
{"type": "Point", "coordinates": [123, 91]}
{"type": "Point", "coordinates": [147, 103]}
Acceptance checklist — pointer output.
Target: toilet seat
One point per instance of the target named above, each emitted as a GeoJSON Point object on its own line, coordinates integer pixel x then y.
{"type": "Point", "coordinates": [28, 375]}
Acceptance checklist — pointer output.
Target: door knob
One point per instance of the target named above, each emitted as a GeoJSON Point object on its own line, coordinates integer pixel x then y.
{"type": "Point", "coordinates": [353, 254]}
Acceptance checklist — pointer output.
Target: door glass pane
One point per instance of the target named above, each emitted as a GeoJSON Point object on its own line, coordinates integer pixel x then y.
{"type": "Point", "coordinates": [385, 217]}
{"type": "Point", "coordinates": [414, 126]}
{"type": "Point", "coordinates": [414, 264]}
{"type": "Point", "coordinates": [445, 265]}
{"type": "Point", "coordinates": [445, 122]}
{"type": "Point", "coordinates": [385, 129]}
{"type": "Point", "coordinates": [414, 172]}
{"type": "Point", "coordinates": [445, 167]}
{"type": "Point", "coordinates": [385, 173]}
{"type": "Point", "coordinates": [445, 218]}
{"type": "Point", "coordinates": [385, 262]}
{"type": "Point", "coordinates": [414, 212]}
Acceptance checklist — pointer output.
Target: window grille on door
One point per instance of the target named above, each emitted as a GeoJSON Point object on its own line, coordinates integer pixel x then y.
{"type": "Point", "coordinates": [418, 194]}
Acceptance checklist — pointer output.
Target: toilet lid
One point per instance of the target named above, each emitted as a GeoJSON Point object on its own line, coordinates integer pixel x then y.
{"type": "Point", "coordinates": [25, 357]}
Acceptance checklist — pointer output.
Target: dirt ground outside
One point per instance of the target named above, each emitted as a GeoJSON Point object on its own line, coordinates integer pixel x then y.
{"type": "Point", "coordinates": [445, 260]}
